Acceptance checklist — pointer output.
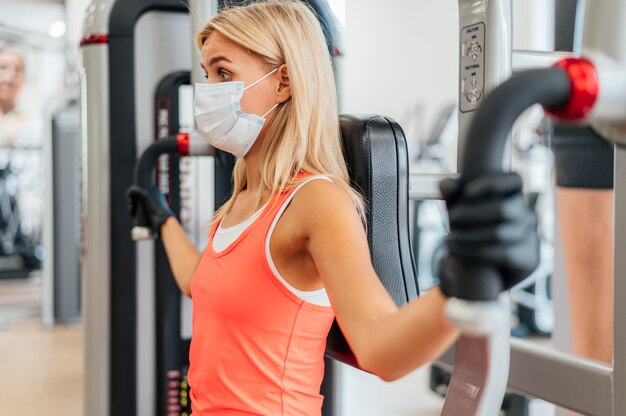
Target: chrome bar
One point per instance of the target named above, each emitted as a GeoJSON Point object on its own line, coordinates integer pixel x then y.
{"type": "Point", "coordinates": [523, 60]}
{"type": "Point", "coordinates": [563, 379]}
{"type": "Point", "coordinates": [424, 186]}
{"type": "Point", "coordinates": [619, 283]}
{"type": "Point", "coordinates": [572, 382]}
{"type": "Point", "coordinates": [604, 31]}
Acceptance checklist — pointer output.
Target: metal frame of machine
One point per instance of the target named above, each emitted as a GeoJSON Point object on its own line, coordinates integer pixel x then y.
{"type": "Point", "coordinates": [116, 347]}
{"type": "Point", "coordinates": [576, 383]}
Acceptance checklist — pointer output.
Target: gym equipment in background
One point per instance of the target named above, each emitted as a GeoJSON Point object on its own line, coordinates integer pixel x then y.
{"type": "Point", "coordinates": [61, 269]}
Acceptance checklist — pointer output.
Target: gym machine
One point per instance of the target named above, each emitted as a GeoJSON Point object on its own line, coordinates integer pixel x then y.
{"type": "Point", "coordinates": [590, 90]}
{"type": "Point", "coordinates": [130, 90]}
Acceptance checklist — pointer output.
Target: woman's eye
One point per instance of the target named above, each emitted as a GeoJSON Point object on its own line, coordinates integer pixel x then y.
{"type": "Point", "coordinates": [224, 76]}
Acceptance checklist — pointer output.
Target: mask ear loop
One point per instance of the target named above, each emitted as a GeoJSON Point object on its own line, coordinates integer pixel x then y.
{"type": "Point", "coordinates": [270, 110]}
{"type": "Point", "coordinates": [261, 79]}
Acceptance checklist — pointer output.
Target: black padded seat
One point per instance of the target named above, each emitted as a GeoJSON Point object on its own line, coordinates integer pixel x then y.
{"type": "Point", "coordinates": [376, 154]}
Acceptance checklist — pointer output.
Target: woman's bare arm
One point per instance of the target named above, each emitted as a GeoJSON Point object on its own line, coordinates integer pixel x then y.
{"type": "Point", "coordinates": [386, 341]}
{"type": "Point", "coordinates": [183, 256]}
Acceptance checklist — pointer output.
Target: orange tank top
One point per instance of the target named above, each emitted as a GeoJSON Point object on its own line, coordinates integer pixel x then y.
{"type": "Point", "coordinates": [257, 348]}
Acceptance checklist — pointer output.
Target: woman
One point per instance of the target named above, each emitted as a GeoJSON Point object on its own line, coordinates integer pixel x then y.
{"type": "Point", "coordinates": [288, 252]}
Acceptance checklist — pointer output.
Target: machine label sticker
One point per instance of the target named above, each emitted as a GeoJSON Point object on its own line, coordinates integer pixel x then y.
{"type": "Point", "coordinates": [472, 76]}
{"type": "Point", "coordinates": [163, 128]}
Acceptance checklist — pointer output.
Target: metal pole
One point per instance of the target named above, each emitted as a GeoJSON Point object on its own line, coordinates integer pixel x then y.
{"type": "Point", "coordinates": [565, 19]}
{"type": "Point", "coordinates": [619, 284]}
{"type": "Point", "coordinates": [485, 55]}
{"type": "Point", "coordinates": [605, 31]}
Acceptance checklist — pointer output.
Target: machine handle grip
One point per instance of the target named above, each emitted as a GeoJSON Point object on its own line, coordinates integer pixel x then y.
{"type": "Point", "coordinates": [485, 146]}
{"type": "Point", "coordinates": [144, 178]}
{"type": "Point", "coordinates": [486, 138]}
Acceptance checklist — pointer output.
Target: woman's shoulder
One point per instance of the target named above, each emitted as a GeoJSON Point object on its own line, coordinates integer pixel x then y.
{"type": "Point", "coordinates": [311, 185]}
{"type": "Point", "coordinates": [319, 195]}
{"type": "Point", "coordinates": [320, 209]}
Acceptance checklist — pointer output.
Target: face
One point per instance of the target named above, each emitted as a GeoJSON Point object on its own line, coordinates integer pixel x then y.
{"type": "Point", "coordinates": [11, 75]}
{"type": "Point", "coordinates": [223, 61]}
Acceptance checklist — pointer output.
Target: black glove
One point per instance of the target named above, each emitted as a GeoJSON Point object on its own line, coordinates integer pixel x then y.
{"type": "Point", "coordinates": [152, 202]}
{"type": "Point", "coordinates": [491, 226]}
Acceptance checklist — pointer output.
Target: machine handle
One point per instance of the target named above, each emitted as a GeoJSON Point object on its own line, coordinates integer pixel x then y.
{"type": "Point", "coordinates": [486, 138]}
{"type": "Point", "coordinates": [144, 178]}
{"type": "Point", "coordinates": [485, 146]}
{"type": "Point", "coordinates": [184, 144]}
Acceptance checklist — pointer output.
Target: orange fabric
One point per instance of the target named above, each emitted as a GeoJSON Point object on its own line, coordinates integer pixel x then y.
{"type": "Point", "coordinates": [257, 349]}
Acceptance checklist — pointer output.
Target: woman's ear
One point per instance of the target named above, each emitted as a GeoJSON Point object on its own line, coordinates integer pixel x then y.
{"type": "Point", "coordinates": [284, 86]}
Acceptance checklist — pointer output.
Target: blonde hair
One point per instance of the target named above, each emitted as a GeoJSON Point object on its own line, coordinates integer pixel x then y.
{"type": "Point", "coordinates": [304, 133]}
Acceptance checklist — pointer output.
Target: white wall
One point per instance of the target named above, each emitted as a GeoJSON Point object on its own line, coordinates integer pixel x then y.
{"type": "Point", "coordinates": [533, 24]}
{"type": "Point", "coordinates": [33, 16]}
{"type": "Point", "coordinates": [399, 53]}
{"type": "Point", "coordinates": [403, 53]}
{"type": "Point", "coordinates": [74, 14]}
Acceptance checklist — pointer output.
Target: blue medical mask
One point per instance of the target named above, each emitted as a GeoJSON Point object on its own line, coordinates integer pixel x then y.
{"type": "Point", "coordinates": [218, 115]}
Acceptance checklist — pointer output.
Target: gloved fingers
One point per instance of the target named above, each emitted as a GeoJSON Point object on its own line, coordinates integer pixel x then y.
{"type": "Point", "coordinates": [520, 258]}
{"type": "Point", "coordinates": [496, 253]}
{"type": "Point", "coordinates": [505, 232]}
{"type": "Point", "coordinates": [473, 213]}
{"type": "Point", "coordinates": [130, 203]}
{"type": "Point", "coordinates": [521, 261]}
{"type": "Point", "coordinates": [450, 189]}
{"type": "Point", "coordinates": [133, 195]}
{"type": "Point", "coordinates": [135, 191]}
{"type": "Point", "coordinates": [492, 185]}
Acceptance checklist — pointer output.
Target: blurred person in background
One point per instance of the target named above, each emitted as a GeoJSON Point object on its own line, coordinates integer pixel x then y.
{"type": "Point", "coordinates": [21, 177]}
{"type": "Point", "coordinates": [11, 81]}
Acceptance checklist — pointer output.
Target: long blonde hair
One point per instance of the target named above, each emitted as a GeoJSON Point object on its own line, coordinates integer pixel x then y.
{"type": "Point", "coordinates": [304, 133]}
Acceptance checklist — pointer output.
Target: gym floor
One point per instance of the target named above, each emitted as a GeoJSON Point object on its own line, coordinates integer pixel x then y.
{"type": "Point", "coordinates": [42, 369]}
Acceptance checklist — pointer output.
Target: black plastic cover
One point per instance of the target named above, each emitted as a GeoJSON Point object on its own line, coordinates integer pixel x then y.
{"type": "Point", "coordinates": [377, 158]}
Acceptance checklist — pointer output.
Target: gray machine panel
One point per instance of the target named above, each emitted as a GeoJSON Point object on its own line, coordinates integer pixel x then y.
{"type": "Point", "coordinates": [162, 46]}
{"type": "Point", "coordinates": [95, 186]}
{"type": "Point", "coordinates": [66, 238]}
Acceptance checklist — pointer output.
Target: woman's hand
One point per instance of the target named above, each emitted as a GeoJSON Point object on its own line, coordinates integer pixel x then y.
{"type": "Point", "coordinates": [153, 203]}
{"type": "Point", "coordinates": [490, 224]}
{"type": "Point", "coordinates": [183, 256]}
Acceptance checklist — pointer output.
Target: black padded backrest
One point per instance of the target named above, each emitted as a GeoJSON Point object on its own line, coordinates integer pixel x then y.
{"type": "Point", "coordinates": [376, 154]}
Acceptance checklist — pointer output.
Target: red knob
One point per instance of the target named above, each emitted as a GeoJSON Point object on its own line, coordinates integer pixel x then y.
{"type": "Point", "coordinates": [183, 144]}
{"type": "Point", "coordinates": [585, 88]}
